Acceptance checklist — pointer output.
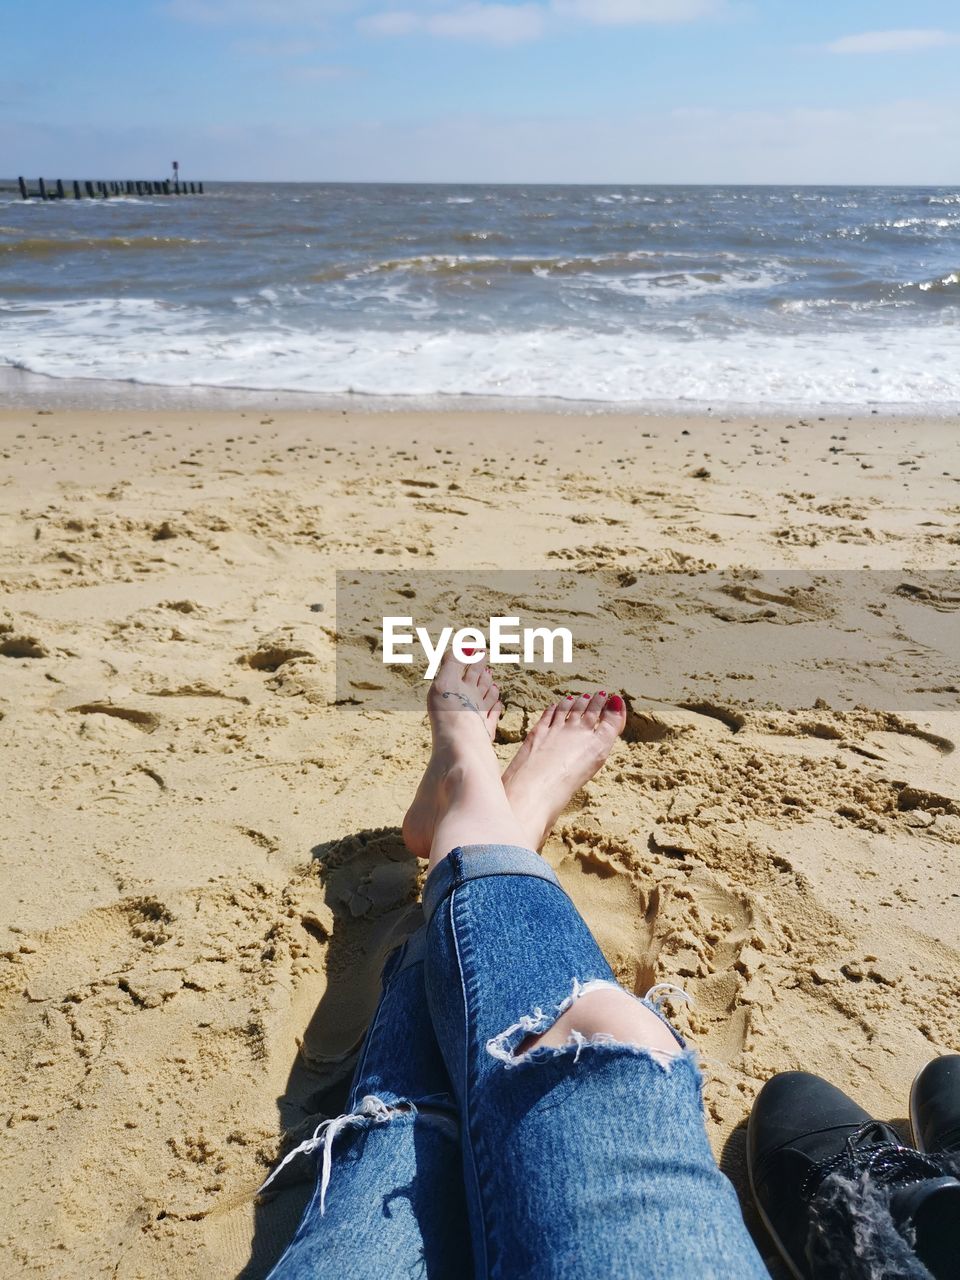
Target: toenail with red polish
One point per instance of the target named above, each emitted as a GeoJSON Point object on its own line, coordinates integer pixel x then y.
{"type": "Point", "coordinates": [603, 693]}
{"type": "Point", "coordinates": [468, 653]}
{"type": "Point", "coordinates": [615, 703]}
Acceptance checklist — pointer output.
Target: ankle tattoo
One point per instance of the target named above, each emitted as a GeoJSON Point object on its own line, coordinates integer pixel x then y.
{"type": "Point", "coordinates": [463, 700]}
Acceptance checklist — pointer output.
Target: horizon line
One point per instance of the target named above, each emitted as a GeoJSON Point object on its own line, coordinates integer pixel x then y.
{"type": "Point", "coordinates": [514, 182]}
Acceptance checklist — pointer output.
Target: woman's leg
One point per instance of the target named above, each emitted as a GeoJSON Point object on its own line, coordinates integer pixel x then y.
{"type": "Point", "coordinates": [584, 1144]}
{"type": "Point", "coordinates": [389, 1198]}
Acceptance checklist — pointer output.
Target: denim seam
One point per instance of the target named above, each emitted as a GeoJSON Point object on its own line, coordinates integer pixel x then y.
{"type": "Point", "coordinates": [463, 948]}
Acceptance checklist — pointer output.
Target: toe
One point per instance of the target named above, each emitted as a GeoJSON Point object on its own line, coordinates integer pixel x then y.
{"type": "Point", "coordinates": [549, 714]}
{"type": "Point", "coordinates": [566, 708]}
{"type": "Point", "coordinates": [579, 705]}
{"type": "Point", "coordinates": [591, 712]}
{"type": "Point", "coordinates": [613, 717]}
{"type": "Point", "coordinates": [493, 714]}
{"type": "Point", "coordinates": [475, 672]}
{"type": "Point", "coordinates": [450, 669]}
{"type": "Point", "coordinates": [552, 714]}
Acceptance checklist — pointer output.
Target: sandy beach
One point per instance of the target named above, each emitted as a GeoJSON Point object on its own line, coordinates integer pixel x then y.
{"type": "Point", "coordinates": [202, 868]}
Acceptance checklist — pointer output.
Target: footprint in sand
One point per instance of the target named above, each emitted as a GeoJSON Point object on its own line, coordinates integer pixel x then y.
{"type": "Point", "coordinates": [664, 924]}
{"type": "Point", "coordinates": [621, 911]}
{"type": "Point", "coordinates": [285, 644]}
{"type": "Point", "coordinates": [653, 721]}
{"type": "Point", "coordinates": [13, 645]}
{"type": "Point", "coordinates": [144, 720]}
{"type": "Point", "coordinates": [881, 737]}
{"type": "Point", "coordinates": [61, 964]}
{"type": "Point", "coordinates": [290, 656]}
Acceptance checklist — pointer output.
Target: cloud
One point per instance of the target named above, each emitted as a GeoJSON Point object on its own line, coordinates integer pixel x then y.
{"type": "Point", "coordinates": [504, 24]}
{"type": "Point", "coordinates": [622, 13]}
{"type": "Point", "coordinates": [905, 41]}
{"type": "Point", "coordinates": [401, 23]}
{"type": "Point", "coordinates": [485, 21]}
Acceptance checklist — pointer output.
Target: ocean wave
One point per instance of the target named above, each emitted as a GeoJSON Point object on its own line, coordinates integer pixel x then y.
{"type": "Point", "coordinates": [945, 283]}
{"type": "Point", "coordinates": [140, 340]}
{"type": "Point", "coordinates": [644, 277]}
{"type": "Point", "coordinates": [668, 287]}
{"type": "Point", "coordinates": [656, 276]}
{"type": "Point", "coordinates": [485, 265]}
{"type": "Point", "coordinates": [940, 223]}
{"type": "Point", "coordinates": [864, 295]}
{"type": "Point", "coordinates": [434, 264]}
{"type": "Point", "coordinates": [50, 246]}
{"type": "Point", "coordinates": [85, 202]}
{"type": "Point", "coordinates": [895, 231]}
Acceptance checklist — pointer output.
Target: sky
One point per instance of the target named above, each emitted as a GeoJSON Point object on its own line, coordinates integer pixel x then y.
{"type": "Point", "coordinates": [618, 91]}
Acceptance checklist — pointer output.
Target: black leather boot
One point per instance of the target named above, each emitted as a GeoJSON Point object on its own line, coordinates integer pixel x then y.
{"type": "Point", "coordinates": [842, 1197]}
{"type": "Point", "coordinates": [935, 1105]}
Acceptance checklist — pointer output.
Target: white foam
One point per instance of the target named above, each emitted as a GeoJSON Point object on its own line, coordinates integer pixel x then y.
{"type": "Point", "coordinates": [923, 222]}
{"type": "Point", "coordinates": [943, 283]}
{"type": "Point", "coordinates": [666, 288]}
{"type": "Point", "coordinates": [145, 341]}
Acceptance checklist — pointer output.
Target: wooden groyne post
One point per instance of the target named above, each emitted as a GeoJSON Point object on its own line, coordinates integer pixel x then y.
{"type": "Point", "coordinates": [104, 190]}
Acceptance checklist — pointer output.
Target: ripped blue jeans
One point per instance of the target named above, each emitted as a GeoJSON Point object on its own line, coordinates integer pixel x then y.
{"type": "Point", "coordinates": [463, 1155]}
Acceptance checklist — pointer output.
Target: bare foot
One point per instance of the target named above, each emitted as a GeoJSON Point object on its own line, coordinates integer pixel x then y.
{"type": "Point", "coordinates": [464, 706]}
{"type": "Point", "coordinates": [564, 749]}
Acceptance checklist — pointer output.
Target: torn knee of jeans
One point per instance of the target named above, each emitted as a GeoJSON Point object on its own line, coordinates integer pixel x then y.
{"type": "Point", "coordinates": [520, 1044]}
{"type": "Point", "coordinates": [371, 1112]}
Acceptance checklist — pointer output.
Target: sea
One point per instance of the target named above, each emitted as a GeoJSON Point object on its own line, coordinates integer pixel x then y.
{"type": "Point", "coordinates": [616, 297]}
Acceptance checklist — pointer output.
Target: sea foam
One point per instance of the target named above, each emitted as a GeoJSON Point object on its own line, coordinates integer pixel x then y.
{"type": "Point", "coordinates": [141, 341]}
